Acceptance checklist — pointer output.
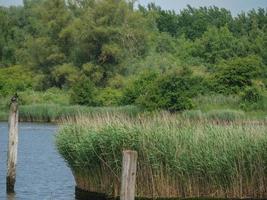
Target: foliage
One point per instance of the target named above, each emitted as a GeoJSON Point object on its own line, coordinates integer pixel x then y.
{"type": "Point", "coordinates": [50, 96]}
{"type": "Point", "coordinates": [64, 75]}
{"type": "Point", "coordinates": [84, 92]}
{"type": "Point", "coordinates": [113, 43]}
{"type": "Point", "coordinates": [17, 78]}
{"type": "Point", "coordinates": [172, 91]}
{"type": "Point", "coordinates": [109, 97]}
{"type": "Point", "coordinates": [138, 86]}
{"type": "Point", "coordinates": [253, 99]}
{"type": "Point", "coordinates": [251, 95]}
{"type": "Point", "coordinates": [237, 73]}
{"type": "Point", "coordinates": [217, 44]}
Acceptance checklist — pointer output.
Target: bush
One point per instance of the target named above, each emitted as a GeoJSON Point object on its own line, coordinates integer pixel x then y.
{"type": "Point", "coordinates": [109, 97]}
{"type": "Point", "coordinates": [251, 95]}
{"type": "Point", "coordinates": [84, 92]}
{"type": "Point", "coordinates": [172, 92]}
{"type": "Point", "coordinates": [17, 78]}
{"type": "Point", "coordinates": [252, 99]}
{"type": "Point", "coordinates": [138, 87]}
{"type": "Point", "coordinates": [236, 74]}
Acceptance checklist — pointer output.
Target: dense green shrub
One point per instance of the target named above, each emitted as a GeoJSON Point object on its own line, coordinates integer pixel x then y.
{"type": "Point", "coordinates": [251, 95]}
{"type": "Point", "coordinates": [236, 74]}
{"type": "Point", "coordinates": [172, 91]}
{"type": "Point", "coordinates": [138, 86]}
{"type": "Point", "coordinates": [17, 78]}
{"type": "Point", "coordinates": [109, 97]}
{"type": "Point", "coordinates": [84, 92]}
{"type": "Point", "coordinates": [253, 99]}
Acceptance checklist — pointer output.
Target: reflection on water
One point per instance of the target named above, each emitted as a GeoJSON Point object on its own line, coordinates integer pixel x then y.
{"type": "Point", "coordinates": [11, 196]}
{"type": "Point", "coordinates": [41, 172]}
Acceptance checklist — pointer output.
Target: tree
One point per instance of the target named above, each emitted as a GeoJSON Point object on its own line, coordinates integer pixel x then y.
{"type": "Point", "coordinates": [217, 44]}
{"type": "Point", "coordinates": [106, 33]}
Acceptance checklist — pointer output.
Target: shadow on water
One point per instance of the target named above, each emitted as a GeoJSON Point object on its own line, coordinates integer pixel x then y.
{"type": "Point", "coordinates": [84, 195]}
{"type": "Point", "coordinates": [11, 196]}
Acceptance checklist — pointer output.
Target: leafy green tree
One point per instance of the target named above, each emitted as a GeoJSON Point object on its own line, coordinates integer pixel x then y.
{"type": "Point", "coordinates": [193, 22]}
{"type": "Point", "coordinates": [216, 44]}
{"type": "Point", "coordinates": [106, 33]}
{"type": "Point", "coordinates": [41, 54]}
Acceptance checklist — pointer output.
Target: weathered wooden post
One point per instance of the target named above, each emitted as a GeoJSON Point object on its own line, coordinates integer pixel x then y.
{"type": "Point", "coordinates": [12, 145]}
{"type": "Point", "coordinates": [129, 163]}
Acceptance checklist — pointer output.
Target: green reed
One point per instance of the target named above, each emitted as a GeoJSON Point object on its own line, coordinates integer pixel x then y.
{"type": "Point", "coordinates": [177, 158]}
{"type": "Point", "coordinates": [55, 112]}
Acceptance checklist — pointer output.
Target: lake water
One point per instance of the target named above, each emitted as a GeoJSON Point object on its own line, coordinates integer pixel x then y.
{"type": "Point", "coordinates": [41, 173]}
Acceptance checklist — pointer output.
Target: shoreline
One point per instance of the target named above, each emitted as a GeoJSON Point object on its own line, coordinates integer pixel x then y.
{"type": "Point", "coordinates": [81, 194]}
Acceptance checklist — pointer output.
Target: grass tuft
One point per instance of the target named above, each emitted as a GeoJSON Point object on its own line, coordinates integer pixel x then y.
{"type": "Point", "coordinates": [225, 115]}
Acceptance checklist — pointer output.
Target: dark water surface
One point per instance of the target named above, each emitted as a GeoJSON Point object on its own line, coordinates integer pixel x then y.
{"type": "Point", "coordinates": [41, 173]}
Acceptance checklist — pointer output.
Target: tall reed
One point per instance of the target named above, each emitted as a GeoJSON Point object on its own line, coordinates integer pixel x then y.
{"type": "Point", "coordinates": [176, 158]}
{"type": "Point", "coordinates": [55, 112]}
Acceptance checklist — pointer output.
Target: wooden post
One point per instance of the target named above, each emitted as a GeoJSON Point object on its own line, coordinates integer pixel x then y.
{"type": "Point", "coordinates": [129, 163]}
{"type": "Point", "coordinates": [12, 145]}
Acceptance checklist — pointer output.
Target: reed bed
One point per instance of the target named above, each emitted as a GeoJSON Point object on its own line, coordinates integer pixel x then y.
{"type": "Point", "coordinates": [55, 112]}
{"type": "Point", "coordinates": [176, 158]}
{"type": "Point", "coordinates": [221, 115]}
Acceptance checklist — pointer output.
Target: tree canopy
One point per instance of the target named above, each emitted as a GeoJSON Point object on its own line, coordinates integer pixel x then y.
{"type": "Point", "coordinates": [115, 50]}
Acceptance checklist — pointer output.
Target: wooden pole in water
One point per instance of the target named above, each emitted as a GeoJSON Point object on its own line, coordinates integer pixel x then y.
{"type": "Point", "coordinates": [129, 163]}
{"type": "Point", "coordinates": [12, 145]}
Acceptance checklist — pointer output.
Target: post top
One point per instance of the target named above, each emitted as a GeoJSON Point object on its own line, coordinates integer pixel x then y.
{"type": "Point", "coordinates": [130, 152]}
{"type": "Point", "coordinates": [15, 98]}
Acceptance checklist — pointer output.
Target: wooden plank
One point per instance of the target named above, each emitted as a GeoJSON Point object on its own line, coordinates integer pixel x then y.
{"type": "Point", "coordinates": [129, 163]}
{"type": "Point", "coordinates": [12, 145]}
